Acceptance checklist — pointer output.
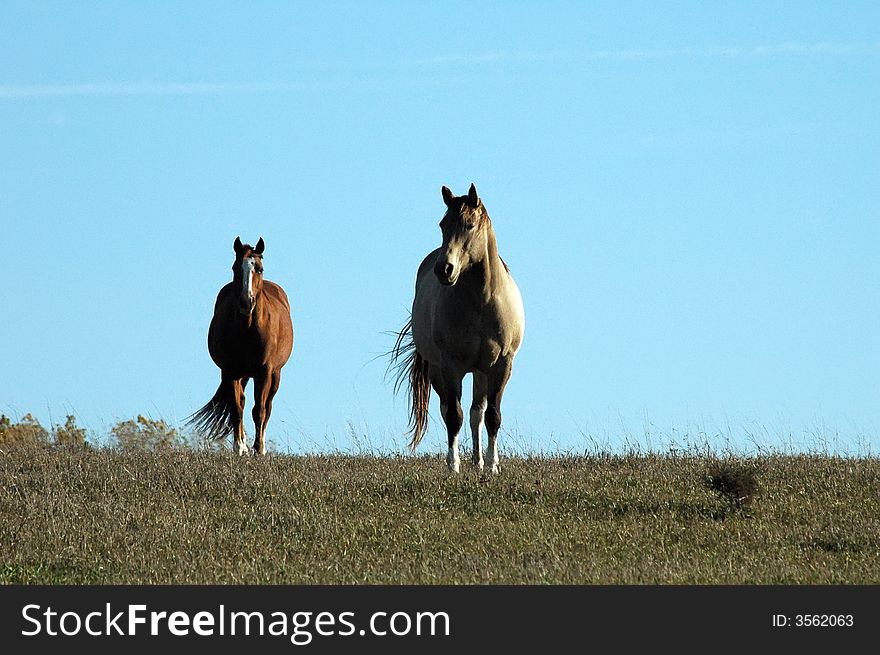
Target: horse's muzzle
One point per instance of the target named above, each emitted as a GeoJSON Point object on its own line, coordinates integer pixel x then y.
{"type": "Point", "coordinates": [446, 273]}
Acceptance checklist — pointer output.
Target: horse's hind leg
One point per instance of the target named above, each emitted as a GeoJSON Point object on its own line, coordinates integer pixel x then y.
{"type": "Point", "coordinates": [244, 382]}
{"type": "Point", "coordinates": [498, 378]}
{"type": "Point", "coordinates": [478, 411]}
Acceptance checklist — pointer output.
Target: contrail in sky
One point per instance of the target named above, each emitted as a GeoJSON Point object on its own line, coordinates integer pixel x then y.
{"type": "Point", "coordinates": [780, 49]}
{"type": "Point", "coordinates": [208, 88]}
{"type": "Point", "coordinates": [143, 88]}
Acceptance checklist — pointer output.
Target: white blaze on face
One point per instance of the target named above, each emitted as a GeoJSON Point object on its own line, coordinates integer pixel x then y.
{"type": "Point", "coordinates": [247, 271]}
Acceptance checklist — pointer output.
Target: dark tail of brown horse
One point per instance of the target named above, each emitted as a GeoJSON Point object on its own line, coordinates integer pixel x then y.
{"type": "Point", "coordinates": [214, 420]}
{"type": "Point", "coordinates": [412, 369]}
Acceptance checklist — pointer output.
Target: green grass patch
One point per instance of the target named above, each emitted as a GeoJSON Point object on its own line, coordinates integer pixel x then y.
{"type": "Point", "coordinates": [86, 516]}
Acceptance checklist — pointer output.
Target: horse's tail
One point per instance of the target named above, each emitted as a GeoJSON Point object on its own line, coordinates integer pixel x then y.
{"type": "Point", "coordinates": [214, 420]}
{"type": "Point", "coordinates": [412, 369]}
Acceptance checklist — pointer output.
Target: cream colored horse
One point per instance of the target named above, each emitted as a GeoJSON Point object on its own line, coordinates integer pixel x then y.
{"type": "Point", "coordinates": [467, 317]}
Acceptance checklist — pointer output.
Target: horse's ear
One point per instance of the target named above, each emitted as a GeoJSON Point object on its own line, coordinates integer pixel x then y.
{"type": "Point", "coordinates": [259, 247]}
{"type": "Point", "coordinates": [473, 198]}
{"type": "Point", "coordinates": [447, 195]}
{"type": "Point", "coordinates": [237, 246]}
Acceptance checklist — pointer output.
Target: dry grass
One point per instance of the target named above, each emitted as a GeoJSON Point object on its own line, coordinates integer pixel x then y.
{"type": "Point", "coordinates": [104, 516]}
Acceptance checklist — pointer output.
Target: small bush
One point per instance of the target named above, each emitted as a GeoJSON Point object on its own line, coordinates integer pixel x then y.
{"type": "Point", "coordinates": [145, 434]}
{"type": "Point", "coordinates": [69, 435]}
{"type": "Point", "coordinates": [27, 432]}
{"type": "Point", "coordinates": [736, 483]}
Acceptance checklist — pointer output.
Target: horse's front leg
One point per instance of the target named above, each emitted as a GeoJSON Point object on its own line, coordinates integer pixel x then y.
{"type": "Point", "coordinates": [449, 390]}
{"type": "Point", "coordinates": [478, 411]}
{"type": "Point", "coordinates": [236, 405]}
{"type": "Point", "coordinates": [498, 378]}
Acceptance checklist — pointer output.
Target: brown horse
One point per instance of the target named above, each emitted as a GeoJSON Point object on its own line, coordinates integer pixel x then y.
{"type": "Point", "coordinates": [251, 336]}
{"type": "Point", "coordinates": [467, 317]}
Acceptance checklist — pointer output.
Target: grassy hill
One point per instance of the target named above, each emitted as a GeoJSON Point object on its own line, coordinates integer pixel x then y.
{"type": "Point", "coordinates": [104, 516]}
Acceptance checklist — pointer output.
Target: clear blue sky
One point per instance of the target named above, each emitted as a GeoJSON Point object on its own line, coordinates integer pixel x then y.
{"type": "Point", "coordinates": [688, 196]}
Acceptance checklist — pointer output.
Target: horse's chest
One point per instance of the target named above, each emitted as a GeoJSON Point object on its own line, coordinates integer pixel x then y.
{"type": "Point", "coordinates": [475, 339]}
{"type": "Point", "coordinates": [240, 349]}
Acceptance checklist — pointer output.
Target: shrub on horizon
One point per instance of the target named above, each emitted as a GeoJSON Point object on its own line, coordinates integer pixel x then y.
{"type": "Point", "coordinates": [145, 434]}
{"type": "Point", "coordinates": [26, 432]}
{"type": "Point", "coordinates": [70, 435]}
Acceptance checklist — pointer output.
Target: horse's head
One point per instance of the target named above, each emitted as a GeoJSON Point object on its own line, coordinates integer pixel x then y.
{"type": "Point", "coordinates": [464, 228]}
{"type": "Point", "coordinates": [247, 274]}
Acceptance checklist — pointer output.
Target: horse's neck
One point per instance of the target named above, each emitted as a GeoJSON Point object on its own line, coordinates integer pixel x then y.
{"type": "Point", "coordinates": [491, 268]}
{"type": "Point", "coordinates": [260, 315]}
{"type": "Point", "coordinates": [257, 318]}
{"type": "Point", "coordinates": [247, 322]}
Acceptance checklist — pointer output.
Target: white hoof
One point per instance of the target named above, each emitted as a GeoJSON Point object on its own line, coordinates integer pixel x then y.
{"type": "Point", "coordinates": [452, 461]}
{"type": "Point", "coordinates": [241, 449]}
